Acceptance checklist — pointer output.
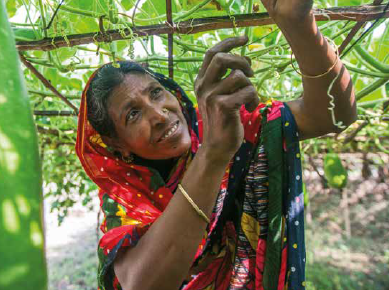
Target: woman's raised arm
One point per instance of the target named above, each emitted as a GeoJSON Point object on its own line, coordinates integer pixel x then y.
{"type": "Point", "coordinates": [315, 57]}
{"type": "Point", "coordinates": [163, 256]}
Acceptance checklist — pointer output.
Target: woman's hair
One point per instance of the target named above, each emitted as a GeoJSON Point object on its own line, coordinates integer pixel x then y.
{"type": "Point", "coordinates": [105, 80]}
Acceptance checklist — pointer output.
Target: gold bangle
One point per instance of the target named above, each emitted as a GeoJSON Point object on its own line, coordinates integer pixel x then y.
{"type": "Point", "coordinates": [199, 211]}
{"type": "Point", "coordinates": [323, 74]}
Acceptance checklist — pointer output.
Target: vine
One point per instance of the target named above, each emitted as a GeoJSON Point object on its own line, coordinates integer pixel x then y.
{"type": "Point", "coordinates": [63, 42]}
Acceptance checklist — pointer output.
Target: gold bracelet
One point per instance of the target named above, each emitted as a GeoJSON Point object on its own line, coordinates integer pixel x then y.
{"type": "Point", "coordinates": [199, 211]}
{"type": "Point", "coordinates": [323, 74]}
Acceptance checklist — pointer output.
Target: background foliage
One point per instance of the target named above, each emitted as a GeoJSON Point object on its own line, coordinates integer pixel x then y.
{"type": "Point", "coordinates": [69, 68]}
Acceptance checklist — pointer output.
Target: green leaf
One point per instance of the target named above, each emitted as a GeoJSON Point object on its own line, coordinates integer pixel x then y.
{"type": "Point", "coordinates": [12, 6]}
{"type": "Point", "coordinates": [127, 4]}
{"type": "Point", "coordinates": [76, 84]}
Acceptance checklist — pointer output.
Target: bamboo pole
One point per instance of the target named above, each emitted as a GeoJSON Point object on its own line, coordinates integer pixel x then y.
{"type": "Point", "coordinates": [350, 13]}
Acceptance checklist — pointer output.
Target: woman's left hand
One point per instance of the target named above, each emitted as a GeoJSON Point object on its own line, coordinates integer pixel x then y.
{"type": "Point", "coordinates": [294, 10]}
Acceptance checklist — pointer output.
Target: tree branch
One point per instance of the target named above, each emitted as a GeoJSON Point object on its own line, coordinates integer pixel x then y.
{"type": "Point", "coordinates": [351, 13]}
{"type": "Point", "coordinates": [46, 82]}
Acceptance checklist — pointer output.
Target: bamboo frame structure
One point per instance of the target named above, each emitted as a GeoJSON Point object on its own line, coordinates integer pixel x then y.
{"type": "Point", "coordinates": [360, 13]}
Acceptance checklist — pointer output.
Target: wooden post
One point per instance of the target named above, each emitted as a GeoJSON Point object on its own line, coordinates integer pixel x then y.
{"type": "Point", "coordinates": [170, 37]}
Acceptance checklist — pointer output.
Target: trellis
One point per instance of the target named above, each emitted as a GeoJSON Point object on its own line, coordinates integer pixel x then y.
{"type": "Point", "coordinates": [173, 26]}
{"type": "Point", "coordinates": [359, 14]}
{"type": "Point", "coordinates": [353, 25]}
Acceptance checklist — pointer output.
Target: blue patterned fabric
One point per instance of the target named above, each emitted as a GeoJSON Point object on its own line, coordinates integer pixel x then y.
{"type": "Point", "coordinates": [294, 203]}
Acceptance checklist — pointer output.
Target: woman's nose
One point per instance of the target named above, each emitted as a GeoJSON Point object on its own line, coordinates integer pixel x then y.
{"type": "Point", "coordinates": [158, 115]}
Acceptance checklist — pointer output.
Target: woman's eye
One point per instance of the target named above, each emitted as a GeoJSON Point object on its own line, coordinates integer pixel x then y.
{"type": "Point", "coordinates": [156, 93]}
{"type": "Point", "coordinates": [132, 115]}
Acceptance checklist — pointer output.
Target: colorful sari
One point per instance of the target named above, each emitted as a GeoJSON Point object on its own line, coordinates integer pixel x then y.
{"type": "Point", "coordinates": [255, 239]}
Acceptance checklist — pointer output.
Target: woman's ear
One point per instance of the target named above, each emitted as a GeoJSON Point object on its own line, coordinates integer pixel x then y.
{"type": "Point", "coordinates": [115, 144]}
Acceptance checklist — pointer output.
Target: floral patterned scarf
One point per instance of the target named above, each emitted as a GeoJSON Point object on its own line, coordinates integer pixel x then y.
{"type": "Point", "coordinates": [255, 239]}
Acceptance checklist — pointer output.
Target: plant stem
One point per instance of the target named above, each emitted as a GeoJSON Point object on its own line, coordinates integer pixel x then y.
{"type": "Point", "coordinates": [248, 30]}
{"type": "Point", "coordinates": [365, 72]}
{"type": "Point", "coordinates": [371, 60]}
{"type": "Point", "coordinates": [43, 17]}
{"type": "Point", "coordinates": [191, 11]}
{"type": "Point", "coordinates": [29, 18]}
{"type": "Point", "coordinates": [369, 89]}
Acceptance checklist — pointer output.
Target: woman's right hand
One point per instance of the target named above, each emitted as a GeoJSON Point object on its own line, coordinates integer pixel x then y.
{"type": "Point", "coordinates": [219, 99]}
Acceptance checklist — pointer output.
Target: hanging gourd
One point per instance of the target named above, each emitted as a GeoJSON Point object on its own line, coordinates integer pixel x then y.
{"type": "Point", "coordinates": [22, 261]}
{"type": "Point", "coordinates": [334, 171]}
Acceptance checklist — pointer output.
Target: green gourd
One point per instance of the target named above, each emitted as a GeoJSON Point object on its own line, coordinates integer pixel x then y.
{"type": "Point", "coordinates": [22, 261]}
{"type": "Point", "coordinates": [334, 171]}
{"type": "Point", "coordinates": [112, 12]}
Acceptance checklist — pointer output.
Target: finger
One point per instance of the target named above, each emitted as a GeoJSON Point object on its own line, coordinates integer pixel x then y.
{"type": "Point", "coordinates": [248, 59]}
{"type": "Point", "coordinates": [232, 83]}
{"type": "Point", "coordinates": [247, 96]}
{"type": "Point", "coordinates": [225, 46]}
{"type": "Point", "coordinates": [221, 62]}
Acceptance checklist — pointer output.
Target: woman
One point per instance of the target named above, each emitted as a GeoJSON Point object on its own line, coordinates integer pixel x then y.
{"type": "Point", "coordinates": [210, 200]}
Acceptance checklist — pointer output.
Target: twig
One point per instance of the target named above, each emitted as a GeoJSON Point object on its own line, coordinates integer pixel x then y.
{"type": "Point", "coordinates": [355, 30]}
{"type": "Point", "coordinates": [170, 37]}
{"type": "Point", "coordinates": [353, 134]}
{"type": "Point", "coordinates": [369, 29]}
{"type": "Point", "coordinates": [351, 35]}
{"type": "Point", "coordinates": [55, 14]}
{"type": "Point", "coordinates": [49, 94]}
{"type": "Point", "coordinates": [133, 13]}
{"type": "Point", "coordinates": [48, 141]}
{"type": "Point", "coordinates": [47, 83]}
{"type": "Point", "coordinates": [346, 213]}
{"type": "Point", "coordinates": [47, 131]}
{"type": "Point", "coordinates": [54, 113]}
{"type": "Point", "coordinates": [324, 181]}
{"type": "Point", "coordinates": [355, 13]}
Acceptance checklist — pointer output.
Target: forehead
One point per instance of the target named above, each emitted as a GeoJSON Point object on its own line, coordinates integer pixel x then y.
{"type": "Point", "coordinates": [134, 85]}
{"type": "Point", "coordinates": [135, 82]}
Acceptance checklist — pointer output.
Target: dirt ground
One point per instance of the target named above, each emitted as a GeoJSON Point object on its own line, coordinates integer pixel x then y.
{"type": "Point", "coordinates": [336, 258]}
{"type": "Point", "coordinates": [71, 249]}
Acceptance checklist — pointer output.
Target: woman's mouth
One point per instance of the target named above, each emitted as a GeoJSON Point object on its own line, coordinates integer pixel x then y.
{"type": "Point", "coordinates": [170, 132]}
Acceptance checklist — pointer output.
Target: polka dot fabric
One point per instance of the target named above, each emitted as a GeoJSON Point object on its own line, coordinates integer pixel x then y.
{"type": "Point", "coordinates": [294, 201]}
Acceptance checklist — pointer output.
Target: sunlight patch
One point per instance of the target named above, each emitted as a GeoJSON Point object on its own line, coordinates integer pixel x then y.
{"type": "Point", "coordinates": [36, 234]}
{"type": "Point", "coordinates": [9, 158]}
{"type": "Point", "coordinates": [23, 205]}
{"type": "Point", "coordinates": [8, 276]}
{"type": "Point", "coordinates": [10, 217]}
{"type": "Point", "coordinates": [3, 99]}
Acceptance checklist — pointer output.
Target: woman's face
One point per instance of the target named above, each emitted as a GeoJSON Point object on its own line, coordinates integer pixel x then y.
{"type": "Point", "coordinates": [148, 119]}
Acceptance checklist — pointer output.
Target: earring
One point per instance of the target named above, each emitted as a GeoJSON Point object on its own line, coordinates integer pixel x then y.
{"type": "Point", "coordinates": [128, 159]}
{"type": "Point", "coordinates": [165, 111]}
